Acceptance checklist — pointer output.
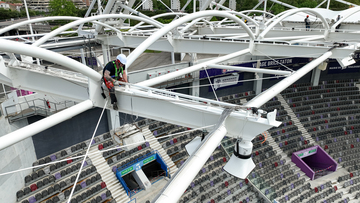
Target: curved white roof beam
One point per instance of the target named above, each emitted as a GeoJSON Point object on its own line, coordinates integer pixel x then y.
{"type": "Point", "coordinates": [37, 52]}
{"type": "Point", "coordinates": [232, 12]}
{"type": "Point", "coordinates": [291, 12]}
{"type": "Point", "coordinates": [249, 11]}
{"type": "Point", "coordinates": [347, 13]}
{"type": "Point", "coordinates": [257, 11]}
{"type": "Point", "coordinates": [138, 13]}
{"type": "Point", "coordinates": [190, 24]}
{"type": "Point", "coordinates": [85, 20]}
{"type": "Point", "coordinates": [205, 5]}
{"type": "Point", "coordinates": [154, 17]}
{"type": "Point", "coordinates": [193, 22]}
{"type": "Point", "coordinates": [16, 25]}
{"type": "Point", "coordinates": [275, 17]}
{"type": "Point", "coordinates": [244, 16]}
{"type": "Point", "coordinates": [149, 41]}
{"type": "Point", "coordinates": [245, 11]}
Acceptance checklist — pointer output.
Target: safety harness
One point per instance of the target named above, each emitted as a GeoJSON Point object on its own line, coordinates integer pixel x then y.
{"type": "Point", "coordinates": [116, 70]}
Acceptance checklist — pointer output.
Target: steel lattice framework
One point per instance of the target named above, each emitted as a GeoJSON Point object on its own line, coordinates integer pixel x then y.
{"type": "Point", "coordinates": [234, 39]}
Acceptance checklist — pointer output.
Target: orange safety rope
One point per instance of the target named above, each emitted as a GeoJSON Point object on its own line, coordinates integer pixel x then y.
{"type": "Point", "coordinates": [264, 136]}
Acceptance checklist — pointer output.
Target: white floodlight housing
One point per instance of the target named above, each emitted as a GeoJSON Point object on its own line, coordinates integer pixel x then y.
{"type": "Point", "coordinates": [240, 163]}
{"type": "Point", "coordinates": [193, 145]}
{"type": "Point", "coordinates": [347, 61]}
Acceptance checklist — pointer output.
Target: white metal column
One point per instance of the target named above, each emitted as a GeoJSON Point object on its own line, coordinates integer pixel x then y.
{"type": "Point", "coordinates": [195, 90]}
{"type": "Point", "coordinates": [30, 27]}
{"type": "Point", "coordinates": [172, 57]}
{"type": "Point", "coordinates": [106, 53]}
{"type": "Point", "coordinates": [258, 83]}
{"type": "Point", "coordinates": [315, 77]}
{"type": "Point", "coordinates": [280, 86]}
{"type": "Point", "coordinates": [83, 60]}
{"type": "Point", "coordinates": [187, 172]}
{"type": "Point", "coordinates": [113, 119]}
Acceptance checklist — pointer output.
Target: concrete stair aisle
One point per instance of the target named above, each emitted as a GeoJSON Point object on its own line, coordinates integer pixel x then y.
{"type": "Point", "coordinates": [345, 193]}
{"type": "Point", "coordinates": [300, 127]}
{"type": "Point", "coordinates": [155, 145]}
{"type": "Point", "coordinates": [297, 121]}
{"type": "Point", "coordinates": [285, 156]}
{"type": "Point", "coordinates": [308, 137]}
{"type": "Point", "coordinates": [112, 183]}
{"type": "Point", "coordinates": [279, 151]}
{"type": "Point", "coordinates": [294, 118]}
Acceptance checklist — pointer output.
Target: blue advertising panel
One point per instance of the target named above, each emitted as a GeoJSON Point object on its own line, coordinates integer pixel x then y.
{"type": "Point", "coordinates": [126, 169]}
{"type": "Point", "coordinates": [231, 80]}
{"type": "Point", "coordinates": [335, 68]}
{"type": "Point", "coordinates": [137, 166]}
{"type": "Point", "coordinates": [277, 62]}
{"type": "Point", "coordinates": [263, 64]}
{"type": "Point", "coordinates": [226, 81]}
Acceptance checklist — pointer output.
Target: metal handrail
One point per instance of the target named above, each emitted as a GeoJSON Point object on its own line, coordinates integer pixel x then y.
{"type": "Point", "coordinates": [135, 161]}
{"type": "Point", "coordinates": [305, 43]}
{"type": "Point", "coordinates": [260, 192]}
{"type": "Point", "coordinates": [127, 190]}
{"type": "Point", "coordinates": [144, 157]}
{"type": "Point", "coordinates": [168, 173]}
{"type": "Point", "coordinates": [132, 200]}
{"type": "Point", "coordinates": [60, 72]}
{"type": "Point", "coordinates": [39, 106]}
{"type": "Point", "coordinates": [188, 98]}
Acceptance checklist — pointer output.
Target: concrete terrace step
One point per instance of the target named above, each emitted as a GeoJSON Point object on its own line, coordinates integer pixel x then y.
{"type": "Point", "coordinates": [154, 144]}
{"type": "Point", "coordinates": [294, 118]}
{"type": "Point", "coordinates": [112, 184]}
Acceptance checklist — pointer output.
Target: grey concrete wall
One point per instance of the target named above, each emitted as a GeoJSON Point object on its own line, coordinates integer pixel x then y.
{"type": "Point", "coordinates": [18, 156]}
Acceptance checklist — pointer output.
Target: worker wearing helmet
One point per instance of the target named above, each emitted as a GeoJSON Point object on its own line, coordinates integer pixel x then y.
{"type": "Point", "coordinates": [112, 74]}
{"type": "Point", "coordinates": [338, 26]}
{"type": "Point", "coordinates": [307, 23]}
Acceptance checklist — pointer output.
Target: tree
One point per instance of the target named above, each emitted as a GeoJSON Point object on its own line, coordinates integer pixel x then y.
{"type": "Point", "coordinates": [7, 14]}
{"type": "Point", "coordinates": [62, 8]}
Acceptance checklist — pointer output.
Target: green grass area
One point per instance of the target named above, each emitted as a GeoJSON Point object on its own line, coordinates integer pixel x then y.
{"type": "Point", "coordinates": [151, 51]}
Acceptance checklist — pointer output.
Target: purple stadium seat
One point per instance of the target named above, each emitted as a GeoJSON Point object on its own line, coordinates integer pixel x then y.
{"type": "Point", "coordinates": [57, 176]}
{"type": "Point", "coordinates": [32, 200]}
{"type": "Point", "coordinates": [103, 196]}
{"type": "Point", "coordinates": [53, 157]}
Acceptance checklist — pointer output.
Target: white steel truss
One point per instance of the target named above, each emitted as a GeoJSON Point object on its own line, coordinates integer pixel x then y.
{"type": "Point", "coordinates": [239, 122]}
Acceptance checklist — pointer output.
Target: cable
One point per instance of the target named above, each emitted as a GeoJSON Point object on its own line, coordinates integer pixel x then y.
{"type": "Point", "coordinates": [276, 61]}
{"type": "Point", "coordinates": [87, 151]}
{"type": "Point", "coordinates": [212, 87]}
{"type": "Point", "coordinates": [187, 101]}
{"type": "Point", "coordinates": [249, 80]}
{"type": "Point", "coordinates": [132, 111]}
{"type": "Point", "coordinates": [264, 137]}
{"type": "Point", "coordinates": [166, 6]}
{"type": "Point", "coordinates": [99, 152]}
